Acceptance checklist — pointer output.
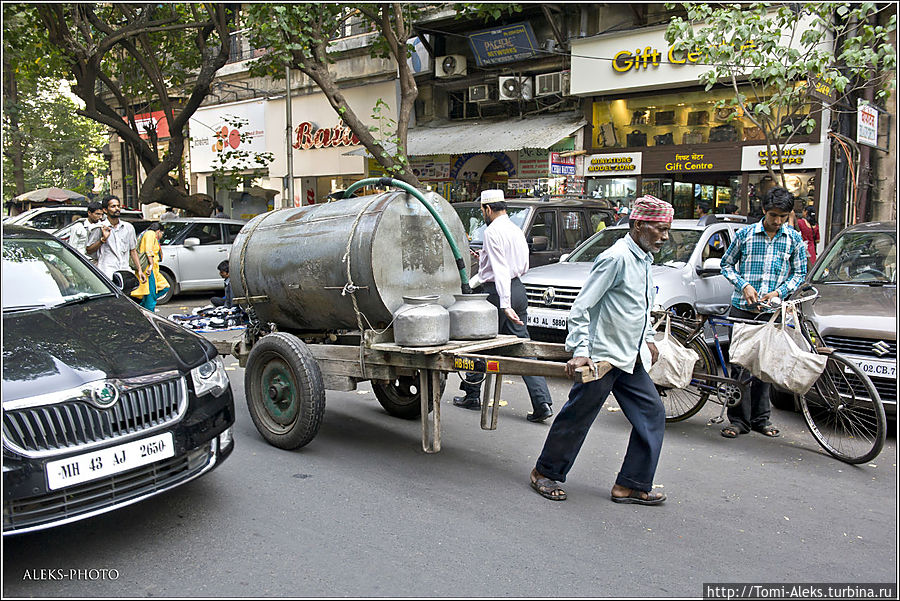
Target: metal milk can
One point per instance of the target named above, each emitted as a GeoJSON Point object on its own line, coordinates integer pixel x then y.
{"type": "Point", "coordinates": [421, 321]}
{"type": "Point", "coordinates": [472, 317]}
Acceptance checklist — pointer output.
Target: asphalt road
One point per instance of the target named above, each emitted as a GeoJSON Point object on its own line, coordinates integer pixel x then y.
{"type": "Point", "coordinates": [363, 511]}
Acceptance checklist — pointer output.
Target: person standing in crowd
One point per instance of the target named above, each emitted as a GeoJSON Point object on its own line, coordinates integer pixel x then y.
{"type": "Point", "coordinates": [609, 321]}
{"type": "Point", "coordinates": [82, 229]}
{"type": "Point", "coordinates": [155, 284]}
{"type": "Point", "coordinates": [217, 211]}
{"type": "Point", "coordinates": [765, 260]}
{"type": "Point", "coordinates": [623, 215]}
{"type": "Point", "coordinates": [114, 242]}
{"type": "Point", "coordinates": [704, 216]}
{"type": "Point", "coordinates": [809, 231]}
{"type": "Point", "coordinates": [503, 258]}
{"type": "Point", "coordinates": [169, 214]}
{"type": "Point", "coordinates": [226, 301]}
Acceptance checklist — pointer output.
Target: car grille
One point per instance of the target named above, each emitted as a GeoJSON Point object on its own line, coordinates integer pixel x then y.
{"type": "Point", "coordinates": [563, 296]}
{"type": "Point", "coordinates": [862, 346]}
{"type": "Point", "coordinates": [887, 389]}
{"type": "Point", "coordinates": [75, 424]}
{"type": "Point", "coordinates": [118, 489]}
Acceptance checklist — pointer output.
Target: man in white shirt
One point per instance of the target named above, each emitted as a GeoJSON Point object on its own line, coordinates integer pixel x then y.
{"type": "Point", "coordinates": [82, 229]}
{"type": "Point", "coordinates": [503, 258]}
{"type": "Point", "coordinates": [114, 241]}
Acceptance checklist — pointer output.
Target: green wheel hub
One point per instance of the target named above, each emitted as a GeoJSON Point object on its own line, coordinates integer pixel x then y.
{"type": "Point", "coordinates": [279, 392]}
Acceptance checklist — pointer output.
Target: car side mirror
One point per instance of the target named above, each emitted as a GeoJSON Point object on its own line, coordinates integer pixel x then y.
{"type": "Point", "coordinates": [564, 257]}
{"type": "Point", "coordinates": [191, 242]}
{"type": "Point", "coordinates": [710, 267]}
{"type": "Point", "coordinates": [540, 243]}
{"type": "Point", "coordinates": [125, 281]}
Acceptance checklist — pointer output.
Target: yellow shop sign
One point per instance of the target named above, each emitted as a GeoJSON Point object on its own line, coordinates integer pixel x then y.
{"type": "Point", "coordinates": [644, 58]}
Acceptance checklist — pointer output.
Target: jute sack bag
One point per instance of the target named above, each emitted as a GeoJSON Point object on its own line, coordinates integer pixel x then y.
{"type": "Point", "coordinates": [675, 365]}
{"type": "Point", "coordinates": [773, 353]}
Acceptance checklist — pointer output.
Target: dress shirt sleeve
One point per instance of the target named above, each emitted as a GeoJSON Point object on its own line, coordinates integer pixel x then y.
{"type": "Point", "coordinates": [732, 255]}
{"type": "Point", "coordinates": [499, 266]}
{"type": "Point", "coordinates": [604, 273]}
{"type": "Point", "coordinates": [799, 262]}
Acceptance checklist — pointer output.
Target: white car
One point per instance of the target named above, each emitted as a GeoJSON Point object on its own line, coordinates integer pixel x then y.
{"type": "Point", "coordinates": [685, 271]}
{"type": "Point", "coordinates": [192, 248]}
{"type": "Point", "coordinates": [51, 219]}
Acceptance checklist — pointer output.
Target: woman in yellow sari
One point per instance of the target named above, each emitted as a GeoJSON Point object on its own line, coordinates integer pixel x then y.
{"type": "Point", "coordinates": [155, 285]}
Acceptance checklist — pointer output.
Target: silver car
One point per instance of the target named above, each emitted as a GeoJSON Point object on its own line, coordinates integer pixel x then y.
{"type": "Point", "coordinates": [856, 312]}
{"type": "Point", "coordinates": [192, 248]}
{"type": "Point", "coordinates": [685, 271]}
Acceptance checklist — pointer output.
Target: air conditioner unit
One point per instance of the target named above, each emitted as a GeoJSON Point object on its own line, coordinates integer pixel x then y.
{"type": "Point", "coordinates": [451, 65]}
{"type": "Point", "coordinates": [516, 88]}
{"type": "Point", "coordinates": [552, 83]}
{"type": "Point", "coordinates": [479, 93]}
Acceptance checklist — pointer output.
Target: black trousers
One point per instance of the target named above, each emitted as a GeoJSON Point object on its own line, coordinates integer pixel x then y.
{"type": "Point", "coordinates": [518, 300]}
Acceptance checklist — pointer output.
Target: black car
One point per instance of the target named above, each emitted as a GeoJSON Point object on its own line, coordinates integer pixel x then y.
{"type": "Point", "coordinates": [104, 403]}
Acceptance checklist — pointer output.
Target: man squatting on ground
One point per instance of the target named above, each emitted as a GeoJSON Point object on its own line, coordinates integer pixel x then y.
{"type": "Point", "coordinates": [609, 321]}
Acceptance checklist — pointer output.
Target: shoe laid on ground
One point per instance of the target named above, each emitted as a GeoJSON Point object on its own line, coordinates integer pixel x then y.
{"type": "Point", "coordinates": [467, 402]}
{"type": "Point", "coordinates": [543, 413]}
{"type": "Point", "coordinates": [640, 497]}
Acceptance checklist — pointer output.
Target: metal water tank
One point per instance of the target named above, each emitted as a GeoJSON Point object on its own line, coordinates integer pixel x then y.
{"type": "Point", "coordinates": [289, 261]}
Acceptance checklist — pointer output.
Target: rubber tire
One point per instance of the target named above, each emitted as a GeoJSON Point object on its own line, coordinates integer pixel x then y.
{"type": "Point", "coordinates": [841, 365]}
{"type": "Point", "coordinates": [288, 357]}
{"type": "Point", "coordinates": [396, 398]}
{"type": "Point", "coordinates": [173, 287]}
{"type": "Point", "coordinates": [706, 365]}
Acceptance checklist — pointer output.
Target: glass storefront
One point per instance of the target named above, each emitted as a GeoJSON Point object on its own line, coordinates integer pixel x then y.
{"type": "Point", "coordinates": [677, 118]}
{"type": "Point", "coordinates": [614, 189]}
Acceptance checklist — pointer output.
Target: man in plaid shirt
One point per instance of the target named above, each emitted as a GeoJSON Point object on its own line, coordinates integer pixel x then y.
{"type": "Point", "coordinates": [765, 260]}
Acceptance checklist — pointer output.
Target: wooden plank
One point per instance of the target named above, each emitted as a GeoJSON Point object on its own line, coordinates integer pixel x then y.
{"type": "Point", "coordinates": [502, 340]}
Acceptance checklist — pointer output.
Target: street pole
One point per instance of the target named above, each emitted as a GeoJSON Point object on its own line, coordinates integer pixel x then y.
{"type": "Point", "coordinates": [288, 132]}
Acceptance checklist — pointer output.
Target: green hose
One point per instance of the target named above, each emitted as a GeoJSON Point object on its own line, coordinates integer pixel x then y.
{"type": "Point", "coordinates": [384, 182]}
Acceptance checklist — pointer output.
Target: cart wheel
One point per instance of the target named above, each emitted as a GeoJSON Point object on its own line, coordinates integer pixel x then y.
{"type": "Point", "coordinates": [284, 389]}
{"type": "Point", "coordinates": [400, 396]}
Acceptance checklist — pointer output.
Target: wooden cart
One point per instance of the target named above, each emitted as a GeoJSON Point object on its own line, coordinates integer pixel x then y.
{"type": "Point", "coordinates": [286, 376]}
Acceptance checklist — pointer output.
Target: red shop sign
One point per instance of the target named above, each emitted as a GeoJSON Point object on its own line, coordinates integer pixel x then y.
{"type": "Point", "coordinates": [307, 136]}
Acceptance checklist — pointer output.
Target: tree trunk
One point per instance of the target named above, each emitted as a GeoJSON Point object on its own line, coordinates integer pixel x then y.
{"type": "Point", "coordinates": [16, 153]}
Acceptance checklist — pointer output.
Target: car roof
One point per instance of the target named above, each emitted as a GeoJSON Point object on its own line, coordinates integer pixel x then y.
{"type": "Point", "coordinates": [682, 224]}
{"type": "Point", "coordinates": [18, 231]}
{"type": "Point", "coordinates": [204, 220]}
{"type": "Point", "coordinates": [537, 202]}
{"type": "Point", "coordinates": [872, 226]}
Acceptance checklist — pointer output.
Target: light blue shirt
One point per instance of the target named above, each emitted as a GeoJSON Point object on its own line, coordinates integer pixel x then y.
{"type": "Point", "coordinates": [610, 317]}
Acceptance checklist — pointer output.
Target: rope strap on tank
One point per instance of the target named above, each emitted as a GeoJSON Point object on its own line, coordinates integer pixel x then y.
{"type": "Point", "coordinates": [386, 182]}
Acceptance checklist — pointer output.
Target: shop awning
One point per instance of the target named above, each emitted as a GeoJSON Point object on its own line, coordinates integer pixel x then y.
{"type": "Point", "coordinates": [489, 136]}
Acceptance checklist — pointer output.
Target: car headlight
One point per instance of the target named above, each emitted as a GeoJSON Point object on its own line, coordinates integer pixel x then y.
{"type": "Point", "coordinates": [210, 377]}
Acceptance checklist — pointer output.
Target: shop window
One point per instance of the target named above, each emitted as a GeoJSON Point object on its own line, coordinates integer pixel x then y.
{"type": "Point", "coordinates": [614, 189]}
{"type": "Point", "coordinates": [682, 118]}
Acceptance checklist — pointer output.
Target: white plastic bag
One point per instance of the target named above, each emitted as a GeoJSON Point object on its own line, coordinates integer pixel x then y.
{"type": "Point", "coordinates": [771, 352]}
{"type": "Point", "coordinates": [675, 365]}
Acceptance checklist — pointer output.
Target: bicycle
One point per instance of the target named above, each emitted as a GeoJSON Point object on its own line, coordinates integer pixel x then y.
{"type": "Point", "coordinates": [842, 410]}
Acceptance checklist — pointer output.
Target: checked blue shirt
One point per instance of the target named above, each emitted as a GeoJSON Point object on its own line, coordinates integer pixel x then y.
{"type": "Point", "coordinates": [766, 264]}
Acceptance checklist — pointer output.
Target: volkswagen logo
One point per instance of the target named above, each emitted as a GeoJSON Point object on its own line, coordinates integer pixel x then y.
{"type": "Point", "coordinates": [549, 296]}
{"type": "Point", "coordinates": [881, 348]}
{"type": "Point", "coordinates": [104, 394]}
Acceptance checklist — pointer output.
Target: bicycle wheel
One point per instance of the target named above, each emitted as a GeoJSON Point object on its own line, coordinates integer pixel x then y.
{"type": "Point", "coordinates": [682, 403]}
{"type": "Point", "coordinates": [844, 412]}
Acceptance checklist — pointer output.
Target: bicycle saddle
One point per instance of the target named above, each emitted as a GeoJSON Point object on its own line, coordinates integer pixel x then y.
{"type": "Point", "coordinates": [711, 309]}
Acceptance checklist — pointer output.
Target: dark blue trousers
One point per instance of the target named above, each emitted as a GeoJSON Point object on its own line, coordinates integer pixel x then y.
{"type": "Point", "coordinates": [640, 402]}
{"type": "Point", "coordinates": [752, 413]}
